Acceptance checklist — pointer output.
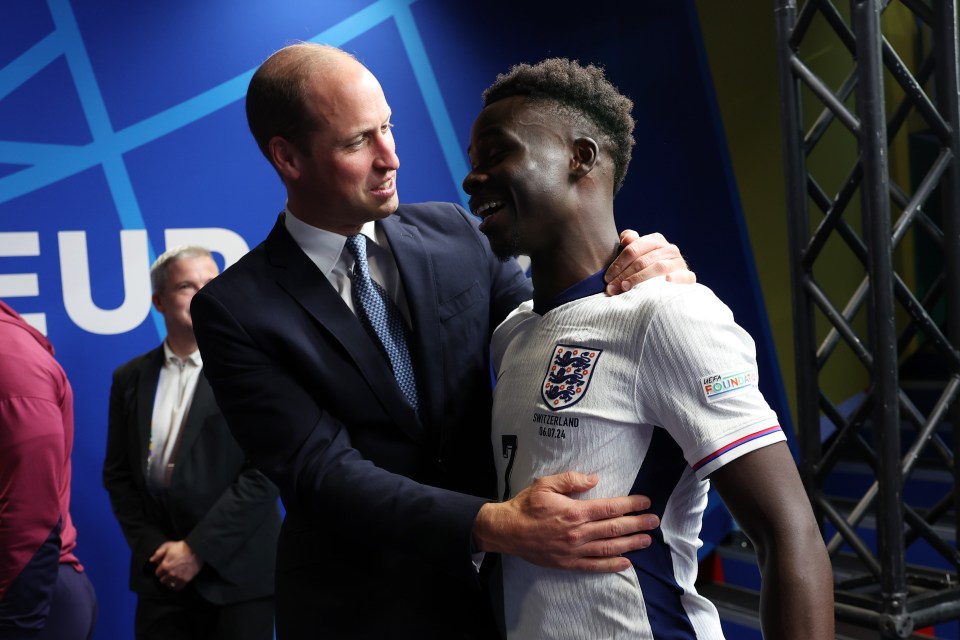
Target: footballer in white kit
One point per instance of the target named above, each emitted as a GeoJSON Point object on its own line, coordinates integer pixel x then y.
{"type": "Point", "coordinates": [653, 390]}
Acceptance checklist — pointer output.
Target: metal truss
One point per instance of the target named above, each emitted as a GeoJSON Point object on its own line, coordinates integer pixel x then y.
{"type": "Point", "coordinates": [881, 324]}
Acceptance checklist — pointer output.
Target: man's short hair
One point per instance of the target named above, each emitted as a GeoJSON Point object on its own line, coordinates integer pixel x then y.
{"type": "Point", "coordinates": [158, 272]}
{"type": "Point", "coordinates": [276, 101]}
{"type": "Point", "coordinates": [581, 92]}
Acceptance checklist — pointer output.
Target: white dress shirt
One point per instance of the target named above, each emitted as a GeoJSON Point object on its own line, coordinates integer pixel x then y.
{"type": "Point", "coordinates": [171, 405]}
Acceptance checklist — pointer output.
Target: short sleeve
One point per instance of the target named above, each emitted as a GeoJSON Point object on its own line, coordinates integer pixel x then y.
{"type": "Point", "coordinates": [698, 379]}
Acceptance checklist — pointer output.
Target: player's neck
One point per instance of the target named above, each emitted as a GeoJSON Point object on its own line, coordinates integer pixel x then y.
{"type": "Point", "coordinates": [556, 271]}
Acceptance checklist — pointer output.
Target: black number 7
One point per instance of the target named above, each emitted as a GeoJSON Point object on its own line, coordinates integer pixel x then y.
{"type": "Point", "coordinates": [509, 451]}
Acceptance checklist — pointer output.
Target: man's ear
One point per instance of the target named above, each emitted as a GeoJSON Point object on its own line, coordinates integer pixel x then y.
{"type": "Point", "coordinates": [585, 152]}
{"type": "Point", "coordinates": [285, 157]}
{"type": "Point", "coordinates": [157, 303]}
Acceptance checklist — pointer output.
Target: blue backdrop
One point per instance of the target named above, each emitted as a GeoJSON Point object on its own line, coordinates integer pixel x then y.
{"type": "Point", "coordinates": [122, 133]}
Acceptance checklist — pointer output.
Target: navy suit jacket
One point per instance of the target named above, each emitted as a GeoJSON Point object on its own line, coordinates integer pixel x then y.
{"type": "Point", "coordinates": [223, 507]}
{"type": "Point", "coordinates": [380, 500]}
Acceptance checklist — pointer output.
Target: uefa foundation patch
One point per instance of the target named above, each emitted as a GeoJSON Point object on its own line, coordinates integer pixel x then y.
{"type": "Point", "coordinates": [568, 375]}
{"type": "Point", "coordinates": [725, 385]}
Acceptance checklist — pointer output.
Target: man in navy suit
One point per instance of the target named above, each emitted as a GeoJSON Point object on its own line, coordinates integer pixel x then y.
{"type": "Point", "coordinates": [385, 501]}
{"type": "Point", "coordinates": [201, 521]}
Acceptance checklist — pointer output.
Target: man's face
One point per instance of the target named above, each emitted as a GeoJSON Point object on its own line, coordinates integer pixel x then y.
{"type": "Point", "coordinates": [184, 278]}
{"type": "Point", "coordinates": [519, 178]}
{"type": "Point", "coordinates": [349, 177]}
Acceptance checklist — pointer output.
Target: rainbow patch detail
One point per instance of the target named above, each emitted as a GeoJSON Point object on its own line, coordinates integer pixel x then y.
{"type": "Point", "coordinates": [720, 386]}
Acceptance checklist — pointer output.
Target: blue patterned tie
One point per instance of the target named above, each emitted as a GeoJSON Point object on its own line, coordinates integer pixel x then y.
{"type": "Point", "coordinates": [382, 318]}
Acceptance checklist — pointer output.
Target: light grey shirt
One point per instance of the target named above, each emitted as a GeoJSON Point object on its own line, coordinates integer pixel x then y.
{"type": "Point", "coordinates": [328, 251]}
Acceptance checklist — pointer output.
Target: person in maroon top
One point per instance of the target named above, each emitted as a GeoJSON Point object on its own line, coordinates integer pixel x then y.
{"type": "Point", "coordinates": [44, 593]}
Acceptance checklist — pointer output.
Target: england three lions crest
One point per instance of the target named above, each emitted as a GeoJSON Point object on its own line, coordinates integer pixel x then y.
{"type": "Point", "coordinates": [568, 375]}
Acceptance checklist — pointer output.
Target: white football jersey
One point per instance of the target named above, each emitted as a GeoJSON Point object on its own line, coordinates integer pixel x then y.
{"type": "Point", "coordinates": [653, 390]}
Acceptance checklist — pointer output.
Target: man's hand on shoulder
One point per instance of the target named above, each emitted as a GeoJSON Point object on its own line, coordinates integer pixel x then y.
{"type": "Point", "coordinates": [545, 526]}
{"type": "Point", "coordinates": [645, 257]}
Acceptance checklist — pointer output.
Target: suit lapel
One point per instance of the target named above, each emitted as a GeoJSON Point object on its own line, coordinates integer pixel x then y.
{"type": "Point", "coordinates": [199, 410]}
{"type": "Point", "coordinates": [299, 277]}
{"type": "Point", "coordinates": [146, 394]}
{"type": "Point", "coordinates": [416, 273]}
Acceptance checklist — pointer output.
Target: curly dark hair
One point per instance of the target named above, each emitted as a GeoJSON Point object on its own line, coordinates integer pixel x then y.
{"type": "Point", "coordinates": [580, 91]}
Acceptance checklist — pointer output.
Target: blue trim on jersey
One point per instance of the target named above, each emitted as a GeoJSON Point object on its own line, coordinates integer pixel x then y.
{"type": "Point", "coordinates": [586, 287]}
{"type": "Point", "coordinates": [657, 478]}
{"type": "Point", "coordinates": [733, 445]}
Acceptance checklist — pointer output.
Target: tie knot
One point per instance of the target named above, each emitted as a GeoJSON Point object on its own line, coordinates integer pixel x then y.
{"type": "Point", "coordinates": [357, 245]}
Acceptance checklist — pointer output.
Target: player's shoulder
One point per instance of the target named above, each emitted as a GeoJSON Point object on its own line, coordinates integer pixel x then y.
{"type": "Point", "coordinates": [512, 328]}
{"type": "Point", "coordinates": [681, 298]}
{"type": "Point", "coordinates": [516, 320]}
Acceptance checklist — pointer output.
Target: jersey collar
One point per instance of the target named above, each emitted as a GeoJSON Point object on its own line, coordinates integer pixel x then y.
{"type": "Point", "coordinates": [587, 287]}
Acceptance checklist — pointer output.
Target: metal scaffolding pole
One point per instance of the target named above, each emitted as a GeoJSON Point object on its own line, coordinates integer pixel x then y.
{"type": "Point", "coordinates": [948, 98]}
{"type": "Point", "coordinates": [889, 432]}
{"type": "Point", "coordinates": [875, 215]}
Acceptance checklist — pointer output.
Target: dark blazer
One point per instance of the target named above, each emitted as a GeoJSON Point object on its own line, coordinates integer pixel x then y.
{"type": "Point", "coordinates": [380, 501]}
{"type": "Point", "coordinates": [217, 501]}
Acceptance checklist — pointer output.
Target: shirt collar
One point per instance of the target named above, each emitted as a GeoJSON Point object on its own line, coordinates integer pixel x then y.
{"type": "Point", "coordinates": [587, 287]}
{"type": "Point", "coordinates": [323, 247]}
{"type": "Point", "coordinates": [169, 356]}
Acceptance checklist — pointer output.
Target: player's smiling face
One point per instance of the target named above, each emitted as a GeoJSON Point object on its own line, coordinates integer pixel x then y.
{"type": "Point", "coordinates": [520, 172]}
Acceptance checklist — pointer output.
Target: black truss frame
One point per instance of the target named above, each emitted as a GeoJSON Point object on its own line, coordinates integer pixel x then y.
{"type": "Point", "coordinates": [881, 590]}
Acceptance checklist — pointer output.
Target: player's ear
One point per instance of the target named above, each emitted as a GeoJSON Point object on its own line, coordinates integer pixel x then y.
{"type": "Point", "coordinates": [585, 152]}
